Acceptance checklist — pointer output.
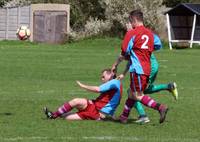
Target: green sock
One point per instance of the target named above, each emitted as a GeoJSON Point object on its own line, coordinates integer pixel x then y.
{"type": "Point", "coordinates": [156, 88]}
{"type": "Point", "coordinates": [138, 106]}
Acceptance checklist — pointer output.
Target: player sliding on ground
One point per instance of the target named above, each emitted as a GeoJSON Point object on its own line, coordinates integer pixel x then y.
{"type": "Point", "coordinates": [97, 109]}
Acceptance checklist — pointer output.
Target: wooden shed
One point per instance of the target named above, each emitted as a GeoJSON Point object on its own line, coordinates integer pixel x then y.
{"type": "Point", "coordinates": [48, 22]}
{"type": "Point", "coordinates": [183, 23]}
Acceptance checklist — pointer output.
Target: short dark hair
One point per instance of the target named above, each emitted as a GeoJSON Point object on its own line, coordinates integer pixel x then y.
{"type": "Point", "coordinates": [137, 14]}
{"type": "Point", "coordinates": [108, 70]}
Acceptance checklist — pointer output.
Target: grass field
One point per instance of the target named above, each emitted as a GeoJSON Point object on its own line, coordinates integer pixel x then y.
{"type": "Point", "coordinates": [36, 75]}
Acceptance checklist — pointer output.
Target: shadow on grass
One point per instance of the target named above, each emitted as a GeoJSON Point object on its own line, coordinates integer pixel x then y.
{"type": "Point", "coordinates": [129, 121]}
{"type": "Point", "coordinates": [132, 121]}
{"type": "Point", "coordinates": [6, 114]}
{"type": "Point", "coordinates": [185, 46]}
{"type": "Point", "coordinates": [181, 47]}
{"type": "Point", "coordinates": [111, 120]}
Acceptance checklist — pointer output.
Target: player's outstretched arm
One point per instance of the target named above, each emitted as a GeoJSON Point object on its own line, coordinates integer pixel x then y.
{"type": "Point", "coordinates": [95, 89]}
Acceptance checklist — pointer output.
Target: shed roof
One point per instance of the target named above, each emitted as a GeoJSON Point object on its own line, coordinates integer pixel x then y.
{"type": "Point", "coordinates": [185, 9]}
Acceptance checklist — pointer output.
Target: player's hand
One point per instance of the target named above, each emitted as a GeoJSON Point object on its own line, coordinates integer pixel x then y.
{"type": "Point", "coordinates": [120, 77]}
{"type": "Point", "coordinates": [79, 83]}
{"type": "Point", "coordinates": [128, 26]}
{"type": "Point", "coordinates": [114, 69]}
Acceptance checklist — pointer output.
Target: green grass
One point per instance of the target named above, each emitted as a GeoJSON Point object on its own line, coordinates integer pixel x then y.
{"type": "Point", "coordinates": [35, 75]}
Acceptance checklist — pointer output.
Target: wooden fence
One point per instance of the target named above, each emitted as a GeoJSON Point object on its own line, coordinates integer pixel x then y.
{"type": "Point", "coordinates": [11, 19]}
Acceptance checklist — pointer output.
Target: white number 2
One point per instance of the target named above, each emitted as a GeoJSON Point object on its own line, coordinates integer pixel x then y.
{"type": "Point", "coordinates": [144, 45]}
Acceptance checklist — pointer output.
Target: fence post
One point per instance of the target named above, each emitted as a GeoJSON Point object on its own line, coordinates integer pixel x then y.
{"type": "Point", "coordinates": [7, 22]}
{"type": "Point", "coordinates": [18, 16]}
{"type": "Point", "coordinates": [169, 31]}
{"type": "Point", "coordinates": [193, 30]}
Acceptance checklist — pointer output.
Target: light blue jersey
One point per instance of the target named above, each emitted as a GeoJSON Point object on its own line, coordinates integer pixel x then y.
{"type": "Point", "coordinates": [109, 99]}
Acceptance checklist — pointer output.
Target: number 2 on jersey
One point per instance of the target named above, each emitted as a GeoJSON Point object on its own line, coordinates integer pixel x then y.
{"type": "Point", "coordinates": [146, 39]}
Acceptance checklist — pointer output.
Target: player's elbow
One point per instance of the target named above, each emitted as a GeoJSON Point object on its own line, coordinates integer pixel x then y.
{"type": "Point", "coordinates": [97, 90]}
{"type": "Point", "coordinates": [121, 58]}
{"type": "Point", "coordinates": [157, 47]}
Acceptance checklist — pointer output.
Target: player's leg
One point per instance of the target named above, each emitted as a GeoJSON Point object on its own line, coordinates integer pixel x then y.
{"type": "Point", "coordinates": [171, 87]}
{"type": "Point", "coordinates": [137, 88]}
{"type": "Point", "coordinates": [79, 103]}
{"type": "Point", "coordinates": [151, 103]}
{"type": "Point", "coordinates": [130, 102]}
{"type": "Point", "coordinates": [152, 88]}
{"type": "Point", "coordinates": [154, 71]}
{"type": "Point", "coordinates": [140, 110]}
{"type": "Point", "coordinates": [88, 113]}
{"type": "Point", "coordinates": [143, 118]}
{"type": "Point", "coordinates": [127, 109]}
{"type": "Point", "coordinates": [73, 116]}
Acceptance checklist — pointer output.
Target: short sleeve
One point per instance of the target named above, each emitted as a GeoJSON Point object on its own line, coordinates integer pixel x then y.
{"type": "Point", "coordinates": [112, 84]}
{"type": "Point", "coordinates": [127, 43]}
{"type": "Point", "coordinates": [157, 42]}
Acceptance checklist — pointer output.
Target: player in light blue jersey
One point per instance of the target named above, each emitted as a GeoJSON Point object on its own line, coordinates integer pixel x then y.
{"type": "Point", "coordinates": [97, 109]}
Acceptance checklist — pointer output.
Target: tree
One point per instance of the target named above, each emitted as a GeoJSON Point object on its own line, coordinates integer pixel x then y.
{"type": "Point", "coordinates": [2, 2]}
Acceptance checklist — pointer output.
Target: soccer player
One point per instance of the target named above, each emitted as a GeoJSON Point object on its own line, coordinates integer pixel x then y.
{"type": "Point", "coordinates": [171, 87]}
{"type": "Point", "coordinates": [138, 45]}
{"type": "Point", "coordinates": [152, 88]}
{"type": "Point", "coordinates": [97, 109]}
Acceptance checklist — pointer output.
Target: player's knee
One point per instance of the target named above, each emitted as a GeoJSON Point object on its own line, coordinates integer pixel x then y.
{"type": "Point", "coordinates": [137, 95]}
{"type": "Point", "coordinates": [132, 95]}
{"type": "Point", "coordinates": [76, 101]}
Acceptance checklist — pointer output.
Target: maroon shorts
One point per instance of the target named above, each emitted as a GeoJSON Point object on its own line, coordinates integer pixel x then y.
{"type": "Point", "coordinates": [90, 112]}
{"type": "Point", "coordinates": [138, 82]}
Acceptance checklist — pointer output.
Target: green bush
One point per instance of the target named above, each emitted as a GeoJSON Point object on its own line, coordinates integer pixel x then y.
{"type": "Point", "coordinates": [115, 17]}
{"type": "Point", "coordinates": [3, 2]}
